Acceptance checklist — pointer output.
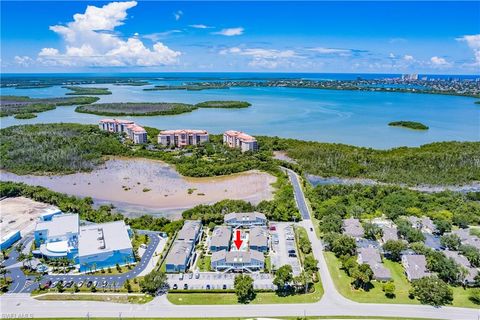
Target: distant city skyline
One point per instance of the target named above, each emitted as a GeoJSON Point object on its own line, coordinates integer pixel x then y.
{"type": "Point", "coordinates": [321, 37]}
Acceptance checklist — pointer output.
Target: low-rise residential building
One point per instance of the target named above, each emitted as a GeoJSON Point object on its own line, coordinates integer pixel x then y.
{"type": "Point", "coordinates": [190, 231]}
{"type": "Point", "coordinates": [240, 140]}
{"type": "Point", "coordinates": [432, 241]}
{"type": "Point", "coordinates": [245, 219]}
{"type": "Point", "coordinates": [58, 237]}
{"type": "Point", "coordinates": [353, 227]}
{"type": "Point", "coordinates": [220, 239]}
{"type": "Point", "coordinates": [424, 224]}
{"type": "Point", "coordinates": [104, 245]}
{"type": "Point", "coordinates": [371, 256]}
{"type": "Point", "coordinates": [180, 256]}
{"type": "Point", "coordinates": [182, 137]}
{"type": "Point", "coordinates": [389, 233]}
{"type": "Point", "coordinates": [415, 266]}
{"type": "Point", "coordinates": [466, 238]}
{"type": "Point", "coordinates": [463, 262]}
{"type": "Point", "coordinates": [237, 260]}
{"type": "Point", "coordinates": [258, 239]}
{"type": "Point", "coordinates": [133, 131]}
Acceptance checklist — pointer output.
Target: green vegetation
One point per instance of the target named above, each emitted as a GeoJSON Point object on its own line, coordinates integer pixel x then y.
{"type": "Point", "coordinates": [58, 148]}
{"type": "Point", "coordinates": [243, 285]}
{"type": "Point", "coordinates": [435, 163]}
{"type": "Point", "coordinates": [12, 105]}
{"type": "Point", "coordinates": [116, 298]}
{"type": "Point", "coordinates": [154, 109]}
{"type": "Point", "coordinates": [86, 91]}
{"type": "Point", "coordinates": [409, 124]}
{"type": "Point", "coordinates": [25, 116]}
{"type": "Point", "coordinates": [261, 297]}
{"type": "Point", "coordinates": [224, 104]}
{"type": "Point", "coordinates": [136, 109]}
{"type": "Point", "coordinates": [153, 282]}
{"type": "Point", "coordinates": [204, 263]}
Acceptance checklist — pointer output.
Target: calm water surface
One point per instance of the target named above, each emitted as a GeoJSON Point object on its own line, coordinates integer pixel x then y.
{"type": "Point", "coordinates": [351, 117]}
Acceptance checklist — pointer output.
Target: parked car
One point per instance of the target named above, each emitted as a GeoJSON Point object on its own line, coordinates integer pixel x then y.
{"type": "Point", "coordinates": [273, 228]}
{"type": "Point", "coordinates": [94, 283]}
{"type": "Point", "coordinates": [190, 276]}
{"type": "Point", "coordinates": [180, 277]}
{"type": "Point", "coordinates": [224, 287]}
{"type": "Point", "coordinates": [48, 284]}
{"type": "Point", "coordinates": [175, 287]}
{"type": "Point", "coordinates": [68, 284]}
{"type": "Point", "coordinates": [311, 229]}
{"type": "Point", "coordinates": [197, 275]}
{"type": "Point", "coordinates": [292, 255]}
{"type": "Point", "coordinates": [54, 284]}
{"type": "Point", "coordinates": [89, 284]}
{"type": "Point", "coordinates": [104, 283]}
{"type": "Point", "coordinates": [80, 284]}
{"type": "Point", "coordinates": [185, 286]}
{"type": "Point", "coordinates": [207, 287]}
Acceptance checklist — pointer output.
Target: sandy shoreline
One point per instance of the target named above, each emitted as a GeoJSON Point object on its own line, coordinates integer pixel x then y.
{"type": "Point", "coordinates": [139, 186]}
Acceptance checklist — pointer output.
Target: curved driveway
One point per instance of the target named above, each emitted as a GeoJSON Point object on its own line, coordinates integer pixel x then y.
{"type": "Point", "coordinates": [332, 303]}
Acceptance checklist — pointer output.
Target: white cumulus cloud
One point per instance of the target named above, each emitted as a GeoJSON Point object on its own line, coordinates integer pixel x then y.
{"type": "Point", "coordinates": [230, 32]}
{"type": "Point", "coordinates": [264, 58]}
{"type": "Point", "coordinates": [200, 26]}
{"type": "Point", "coordinates": [438, 61]}
{"type": "Point", "coordinates": [24, 61]}
{"type": "Point", "coordinates": [408, 57]}
{"type": "Point", "coordinates": [90, 40]}
{"type": "Point", "coordinates": [473, 42]}
{"type": "Point", "coordinates": [323, 50]}
{"type": "Point", "coordinates": [177, 15]}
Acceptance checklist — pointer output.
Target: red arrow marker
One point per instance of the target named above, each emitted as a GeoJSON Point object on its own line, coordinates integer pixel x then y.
{"type": "Point", "coordinates": [238, 241]}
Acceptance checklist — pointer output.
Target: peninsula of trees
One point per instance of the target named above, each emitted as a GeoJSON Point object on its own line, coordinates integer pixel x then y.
{"type": "Point", "coordinates": [85, 91]}
{"type": "Point", "coordinates": [154, 108]}
{"type": "Point", "coordinates": [12, 105]}
{"type": "Point", "coordinates": [409, 124]}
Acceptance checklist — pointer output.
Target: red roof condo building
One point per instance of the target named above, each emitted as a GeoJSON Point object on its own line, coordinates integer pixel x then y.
{"type": "Point", "coordinates": [182, 137]}
{"type": "Point", "coordinates": [241, 140]}
{"type": "Point", "coordinates": [133, 131]}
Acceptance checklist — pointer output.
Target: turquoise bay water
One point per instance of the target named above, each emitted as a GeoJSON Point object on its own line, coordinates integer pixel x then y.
{"type": "Point", "coordinates": [350, 117]}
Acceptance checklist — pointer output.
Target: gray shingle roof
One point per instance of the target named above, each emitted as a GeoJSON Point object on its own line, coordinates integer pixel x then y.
{"type": "Point", "coordinates": [221, 236]}
{"type": "Point", "coordinates": [415, 266]}
{"type": "Point", "coordinates": [237, 256]}
{"type": "Point", "coordinates": [190, 230]}
{"type": "Point", "coordinates": [353, 227]}
{"type": "Point", "coordinates": [258, 237]}
{"type": "Point", "coordinates": [179, 253]}
{"type": "Point", "coordinates": [244, 217]}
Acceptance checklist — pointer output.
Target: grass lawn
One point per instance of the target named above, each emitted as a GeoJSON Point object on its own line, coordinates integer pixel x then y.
{"type": "Point", "coordinates": [113, 270]}
{"type": "Point", "coordinates": [376, 295]}
{"type": "Point", "coordinates": [204, 263]}
{"type": "Point", "coordinates": [231, 298]}
{"type": "Point", "coordinates": [117, 298]}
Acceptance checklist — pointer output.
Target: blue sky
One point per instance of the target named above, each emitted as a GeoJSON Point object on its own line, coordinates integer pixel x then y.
{"type": "Point", "coordinates": [367, 37]}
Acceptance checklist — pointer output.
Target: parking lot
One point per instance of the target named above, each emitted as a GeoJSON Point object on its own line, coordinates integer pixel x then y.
{"type": "Point", "coordinates": [216, 280]}
{"type": "Point", "coordinates": [284, 249]}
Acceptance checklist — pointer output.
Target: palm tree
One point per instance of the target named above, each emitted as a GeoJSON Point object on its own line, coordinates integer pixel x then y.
{"type": "Point", "coordinates": [3, 272]}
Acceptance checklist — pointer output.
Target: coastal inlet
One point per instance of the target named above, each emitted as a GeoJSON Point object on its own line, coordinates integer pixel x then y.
{"type": "Point", "coordinates": [141, 186]}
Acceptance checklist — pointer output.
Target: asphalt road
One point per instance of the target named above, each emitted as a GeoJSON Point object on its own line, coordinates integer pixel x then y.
{"type": "Point", "coordinates": [332, 303]}
{"type": "Point", "coordinates": [25, 284]}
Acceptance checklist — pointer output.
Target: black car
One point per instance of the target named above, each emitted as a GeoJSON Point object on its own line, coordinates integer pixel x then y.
{"type": "Point", "coordinates": [224, 287]}
{"type": "Point", "coordinates": [208, 287]}
{"type": "Point", "coordinates": [89, 284]}
{"type": "Point", "coordinates": [175, 287]}
{"type": "Point", "coordinates": [185, 286]}
{"type": "Point", "coordinates": [68, 284]}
